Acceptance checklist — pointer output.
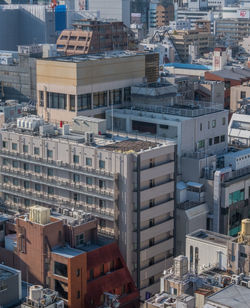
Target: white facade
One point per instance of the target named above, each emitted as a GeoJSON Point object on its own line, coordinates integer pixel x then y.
{"type": "Point", "coordinates": [239, 129]}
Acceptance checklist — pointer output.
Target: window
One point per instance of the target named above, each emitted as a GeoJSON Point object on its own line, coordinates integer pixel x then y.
{"type": "Point", "coordinates": [60, 269]}
{"type": "Point", "coordinates": [72, 103]}
{"type": "Point", "coordinates": [200, 126]}
{"type": "Point", "coordinates": [5, 162]}
{"type": "Point", "coordinates": [14, 164]}
{"type": "Point", "coordinates": [151, 183]}
{"type": "Point", "coordinates": [76, 178]}
{"type": "Point", "coordinates": [151, 261]}
{"type": "Point", "coordinates": [76, 159]}
{"type": "Point", "coordinates": [89, 180]}
{"type": "Point", "coordinates": [91, 274]}
{"type": "Point", "coordinates": [208, 124]}
{"type": "Point", "coordinates": [50, 172]}
{"type": "Point", "coordinates": [15, 182]}
{"type": "Point", "coordinates": [37, 169]}
{"type": "Point", "coordinates": [101, 203]}
{"type": "Point", "coordinates": [151, 222]}
{"type": "Point", "coordinates": [50, 190]}
{"type": "Point", "coordinates": [210, 141]}
{"type": "Point", "coordinates": [222, 138]}
{"type": "Point", "coordinates": [26, 202]}
{"type": "Point", "coordinates": [5, 179]}
{"type": "Point", "coordinates": [26, 184]}
{"type": "Point", "coordinates": [216, 140]}
{"type": "Point", "coordinates": [5, 144]}
{"type": "Point", "coordinates": [236, 196]}
{"type": "Point", "coordinates": [75, 196]}
{"type": "Point", "coordinates": [101, 164]}
{"type": "Point", "coordinates": [37, 187]}
{"type": "Point", "coordinates": [151, 163]}
{"type": "Point", "coordinates": [26, 166]}
{"type": "Point", "coordinates": [201, 144]}
{"type": "Point", "coordinates": [56, 100]}
{"type": "Point", "coordinates": [84, 102]}
{"type": "Point", "coordinates": [41, 98]}
{"type": "Point", "coordinates": [151, 280]}
{"type": "Point", "coordinates": [242, 94]}
{"type": "Point", "coordinates": [49, 153]}
{"type": "Point", "coordinates": [151, 203]}
{"type": "Point", "coordinates": [101, 184]}
{"type": "Point", "coordinates": [25, 148]}
{"type": "Point", "coordinates": [102, 269]}
{"type": "Point", "coordinates": [14, 146]}
{"type": "Point", "coordinates": [89, 161]}
{"type": "Point", "coordinates": [223, 121]}
{"type": "Point", "coordinates": [213, 123]}
{"type": "Point", "coordinates": [102, 223]}
{"type": "Point", "coordinates": [78, 272]}
{"type": "Point", "coordinates": [191, 257]}
{"type": "Point", "coordinates": [78, 294]}
{"type": "Point", "coordinates": [89, 200]}
{"type": "Point", "coordinates": [80, 239]}
{"type": "Point", "coordinates": [151, 242]}
{"type": "Point", "coordinates": [36, 151]}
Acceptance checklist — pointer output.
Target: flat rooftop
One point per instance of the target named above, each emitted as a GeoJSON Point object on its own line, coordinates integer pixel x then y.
{"type": "Point", "coordinates": [67, 252]}
{"type": "Point", "coordinates": [6, 272]}
{"type": "Point", "coordinates": [211, 237]}
{"type": "Point", "coordinates": [234, 296]}
{"type": "Point", "coordinates": [130, 145]}
{"type": "Point", "coordinates": [97, 56]}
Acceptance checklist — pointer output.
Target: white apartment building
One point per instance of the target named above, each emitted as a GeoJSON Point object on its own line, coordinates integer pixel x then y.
{"type": "Point", "coordinates": [128, 184]}
{"type": "Point", "coordinates": [197, 128]}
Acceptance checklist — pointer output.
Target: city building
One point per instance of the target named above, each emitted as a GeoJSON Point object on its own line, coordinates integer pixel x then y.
{"type": "Point", "coordinates": [186, 69]}
{"type": "Point", "coordinates": [230, 77]}
{"type": "Point", "coordinates": [212, 91]}
{"type": "Point", "coordinates": [238, 94]}
{"type": "Point", "coordinates": [233, 296]}
{"type": "Point", "coordinates": [119, 10]}
{"type": "Point", "coordinates": [239, 129]}
{"type": "Point", "coordinates": [182, 39]}
{"type": "Point", "coordinates": [63, 253]}
{"type": "Point", "coordinates": [185, 14]}
{"type": "Point", "coordinates": [198, 128]}
{"type": "Point", "coordinates": [160, 14]}
{"type": "Point", "coordinates": [133, 199]}
{"type": "Point", "coordinates": [92, 36]}
{"type": "Point", "coordinates": [83, 85]}
{"type": "Point", "coordinates": [10, 286]}
{"type": "Point", "coordinates": [20, 19]}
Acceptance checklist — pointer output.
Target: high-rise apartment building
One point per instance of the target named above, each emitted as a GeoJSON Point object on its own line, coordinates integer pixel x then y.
{"type": "Point", "coordinates": [90, 84]}
{"type": "Point", "coordinates": [92, 36]}
{"type": "Point", "coordinates": [128, 184]}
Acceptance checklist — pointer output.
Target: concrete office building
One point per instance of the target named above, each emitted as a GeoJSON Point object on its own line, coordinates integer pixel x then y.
{"type": "Point", "coordinates": [83, 85]}
{"type": "Point", "coordinates": [112, 9]}
{"type": "Point", "coordinates": [26, 24]}
{"type": "Point", "coordinates": [128, 185]}
{"type": "Point", "coordinates": [197, 128]}
{"type": "Point", "coordinates": [10, 286]}
{"type": "Point", "coordinates": [239, 130]}
{"type": "Point", "coordinates": [92, 36]}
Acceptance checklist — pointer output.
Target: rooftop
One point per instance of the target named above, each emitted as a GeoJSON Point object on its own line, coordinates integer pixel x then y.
{"type": "Point", "coordinates": [6, 272]}
{"type": "Point", "coordinates": [67, 252]}
{"type": "Point", "coordinates": [210, 236]}
{"type": "Point", "coordinates": [234, 296]}
{"type": "Point", "coordinates": [130, 145]}
{"type": "Point", "coordinates": [233, 73]}
{"type": "Point", "coordinates": [189, 66]}
{"type": "Point", "coordinates": [97, 56]}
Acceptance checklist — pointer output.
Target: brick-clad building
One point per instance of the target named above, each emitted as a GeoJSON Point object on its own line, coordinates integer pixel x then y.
{"type": "Point", "coordinates": [64, 254]}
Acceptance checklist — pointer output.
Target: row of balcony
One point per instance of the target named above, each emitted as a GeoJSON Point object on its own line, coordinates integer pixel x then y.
{"type": "Point", "coordinates": [54, 201]}
{"type": "Point", "coordinates": [58, 183]}
{"type": "Point", "coordinates": [57, 164]}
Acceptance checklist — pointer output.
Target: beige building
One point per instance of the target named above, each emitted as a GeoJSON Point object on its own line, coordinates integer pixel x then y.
{"type": "Point", "coordinates": [89, 84]}
{"type": "Point", "coordinates": [238, 93]}
{"type": "Point", "coordinates": [182, 39]}
{"type": "Point", "coordinates": [128, 184]}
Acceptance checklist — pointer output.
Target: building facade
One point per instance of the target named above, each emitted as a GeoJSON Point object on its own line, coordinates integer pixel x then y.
{"type": "Point", "coordinates": [128, 185]}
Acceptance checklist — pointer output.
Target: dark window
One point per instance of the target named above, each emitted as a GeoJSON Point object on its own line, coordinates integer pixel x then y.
{"type": "Point", "coordinates": [72, 103]}
{"type": "Point", "coordinates": [60, 269]}
{"type": "Point", "coordinates": [49, 153]}
{"type": "Point", "coordinates": [151, 242]}
{"type": "Point", "coordinates": [76, 159]}
{"type": "Point", "coordinates": [78, 294]}
{"type": "Point", "coordinates": [78, 271]}
{"type": "Point", "coordinates": [151, 261]}
{"type": "Point", "coordinates": [151, 222]}
{"type": "Point", "coordinates": [84, 102]}
{"type": "Point", "coordinates": [210, 141]}
{"type": "Point", "coordinates": [216, 140]}
{"type": "Point", "coordinates": [101, 164]}
{"type": "Point", "coordinates": [14, 146]}
{"type": "Point", "coordinates": [222, 138]}
{"type": "Point", "coordinates": [36, 151]}
{"type": "Point", "coordinates": [242, 94]}
{"type": "Point", "coordinates": [50, 172]}
{"type": "Point", "coordinates": [101, 184]}
{"type": "Point", "coordinates": [101, 203]}
{"type": "Point", "coordinates": [76, 178]}
{"type": "Point", "coordinates": [102, 223]}
{"type": "Point", "coordinates": [91, 274]}
{"type": "Point", "coordinates": [4, 144]}
{"type": "Point", "coordinates": [151, 280]}
{"type": "Point", "coordinates": [37, 169]}
{"type": "Point", "coordinates": [15, 164]}
{"type": "Point", "coordinates": [25, 148]}
{"type": "Point", "coordinates": [151, 203]}
{"type": "Point", "coordinates": [89, 161]}
{"type": "Point", "coordinates": [50, 190]}
{"type": "Point", "coordinates": [102, 269]}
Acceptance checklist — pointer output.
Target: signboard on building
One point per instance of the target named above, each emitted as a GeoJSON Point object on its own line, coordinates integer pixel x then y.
{"type": "Point", "coordinates": [243, 14]}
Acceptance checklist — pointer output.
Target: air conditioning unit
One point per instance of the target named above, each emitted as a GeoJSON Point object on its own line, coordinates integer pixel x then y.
{"type": "Point", "coordinates": [60, 304]}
